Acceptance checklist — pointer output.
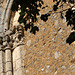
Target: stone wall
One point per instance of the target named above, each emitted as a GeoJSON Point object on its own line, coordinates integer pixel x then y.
{"type": "Point", "coordinates": [45, 53]}
{"type": "Point", "coordinates": [1, 11]}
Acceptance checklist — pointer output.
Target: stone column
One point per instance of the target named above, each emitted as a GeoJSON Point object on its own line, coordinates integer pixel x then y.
{"type": "Point", "coordinates": [8, 61]}
{"type": "Point", "coordinates": [18, 45]}
{"type": "Point", "coordinates": [18, 68]}
{"type": "Point", "coordinates": [2, 68]}
{"type": "Point", "coordinates": [1, 63]}
{"type": "Point", "coordinates": [8, 14]}
{"type": "Point", "coordinates": [12, 64]}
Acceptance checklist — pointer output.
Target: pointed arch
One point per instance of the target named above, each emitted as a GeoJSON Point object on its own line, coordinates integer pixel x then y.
{"type": "Point", "coordinates": [6, 14]}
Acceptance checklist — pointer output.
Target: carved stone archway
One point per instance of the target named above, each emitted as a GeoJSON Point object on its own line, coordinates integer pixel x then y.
{"type": "Point", "coordinates": [11, 43]}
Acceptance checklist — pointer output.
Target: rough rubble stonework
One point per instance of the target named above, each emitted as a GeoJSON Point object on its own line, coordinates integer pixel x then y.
{"type": "Point", "coordinates": [45, 53]}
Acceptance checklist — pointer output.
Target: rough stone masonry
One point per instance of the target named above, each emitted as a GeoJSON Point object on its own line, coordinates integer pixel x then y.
{"type": "Point", "coordinates": [45, 53]}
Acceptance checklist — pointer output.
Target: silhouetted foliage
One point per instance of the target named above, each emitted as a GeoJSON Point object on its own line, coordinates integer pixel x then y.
{"type": "Point", "coordinates": [29, 10]}
{"type": "Point", "coordinates": [55, 7]}
{"type": "Point", "coordinates": [70, 16]}
{"type": "Point", "coordinates": [71, 38]}
{"type": "Point", "coordinates": [44, 17]}
{"type": "Point", "coordinates": [34, 29]}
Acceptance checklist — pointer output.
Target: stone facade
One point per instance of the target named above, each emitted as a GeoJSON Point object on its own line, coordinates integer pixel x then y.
{"type": "Point", "coordinates": [11, 46]}
{"type": "Point", "coordinates": [45, 53]}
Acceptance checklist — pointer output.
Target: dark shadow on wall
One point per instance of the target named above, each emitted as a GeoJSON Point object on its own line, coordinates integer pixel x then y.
{"type": "Point", "coordinates": [29, 10]}
{"type": "Point", "coordinates": [70, 16]}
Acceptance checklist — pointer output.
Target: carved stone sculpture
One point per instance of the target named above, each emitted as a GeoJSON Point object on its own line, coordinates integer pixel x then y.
{"type": "Point", "coordinates": [20, 32]}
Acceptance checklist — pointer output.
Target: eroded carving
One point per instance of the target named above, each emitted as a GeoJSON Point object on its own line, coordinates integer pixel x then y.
{"type": "Point", "coordinates": [6, 41]}
{"type": "Point", "coordinates": [13, 37]}
{"type": "Point", "coordinates": [20, 32]}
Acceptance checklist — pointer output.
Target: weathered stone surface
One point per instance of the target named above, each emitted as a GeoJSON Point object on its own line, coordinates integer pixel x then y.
{"type": "Point", "coordinates": [56, 22]}
{"type": "Point", "coordinates": [9, 73]}
{"type": "Point", "coordinates": [1, 57]}
{"type": "Point", "coordinates": [20, 71]}
{"type": "Point", "coordinates": [28, 42]}
{"type": "Point", "coordinates": [8, 56]}
{"type": "Point", "coordinates": [1, 68]}
{"type": "Point", "coordinates": [19, 63]}
{"type": "Point", "coordinates": [45, 53]}
{"type": "Point", "coordinates": [8, 66]}
{"type": "Point", "coordinates": [17, 59]}
{"type": "Point", "coordinates": [17, 53]}
{"type": "Point", "coordinates": [57, 55]}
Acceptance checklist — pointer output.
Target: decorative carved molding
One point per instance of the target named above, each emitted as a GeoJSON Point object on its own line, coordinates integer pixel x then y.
{"type": "Point", "coordinates": [13, 38]}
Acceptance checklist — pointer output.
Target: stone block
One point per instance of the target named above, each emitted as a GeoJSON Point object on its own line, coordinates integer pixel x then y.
{"type": "Point", "coordinates": [28, 43]}
{"type": "Point", "coordinates": [1, 67]}
{"type": "Point", "coordinates": [9, 73]}
{"type": "Point", "coordinates": [1, 28]}
{"type": "Point", "coordinates": [57, 55]}
{"type": "Point", "coordinates": [8, 66]}
{"type": "Point", "coordinates": [56, 22]}
{"type": "Point", "coordinates": [0, 56]}
{"type": "Point", "coordinates": [14, 55]}
{"type": "Point", "coordinates": [20, 71]}
{"type": "Point", "coordinates": [8, 55]}
{"type": "Point", "coordinates": [17, 52]}
{"type": "Point", "coordinates": [19, 63]}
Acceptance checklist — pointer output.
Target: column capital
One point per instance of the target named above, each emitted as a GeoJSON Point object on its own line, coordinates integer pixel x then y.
{"type": "Point", "coordinates": [13, 37]}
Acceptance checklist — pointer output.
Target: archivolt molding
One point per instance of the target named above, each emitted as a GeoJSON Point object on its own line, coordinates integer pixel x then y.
{"type": "Point", "coordinates": [6, 14]}
{"type": "Point", "coordinates": [11, 36]}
